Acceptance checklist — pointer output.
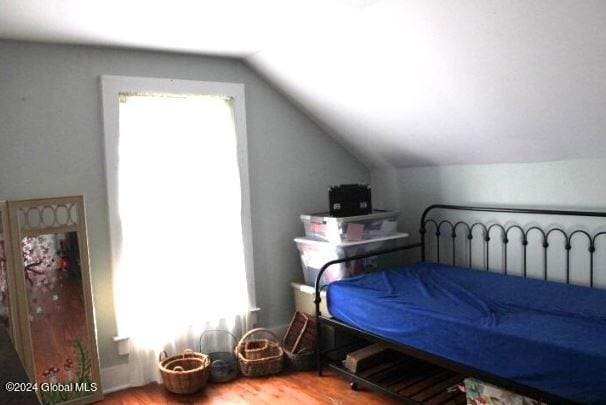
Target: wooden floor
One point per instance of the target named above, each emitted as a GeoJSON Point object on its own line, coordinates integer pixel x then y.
{"type": "Point", "coordinates": [301, 388]}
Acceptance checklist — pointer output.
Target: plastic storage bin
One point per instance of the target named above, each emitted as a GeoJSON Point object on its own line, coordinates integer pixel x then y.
{"type": "Point", "coordinates": [304, 299]}
{"type": "Point", "coordinates": [481, 393]}
{"type": "Point", "coordinates": [315, 253]}
{"type": "Point", "coordinates": [348, 229]}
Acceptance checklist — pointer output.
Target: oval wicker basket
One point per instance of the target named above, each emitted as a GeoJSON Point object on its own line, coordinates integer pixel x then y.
{"type": "Point", "coordinates": [185, 373]}
{"type": "Point", "coordinates": [186, 353]}
{"type": "Point", "coordinates": [273, 361]}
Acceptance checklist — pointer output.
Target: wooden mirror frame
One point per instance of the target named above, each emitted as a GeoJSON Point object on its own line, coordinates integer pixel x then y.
{"type": "Point", "coordinates": [19, 230]}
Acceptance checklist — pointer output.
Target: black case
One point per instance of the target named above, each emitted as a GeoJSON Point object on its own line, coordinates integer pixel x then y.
{"type": "Point", "coordinates": [348, 200]}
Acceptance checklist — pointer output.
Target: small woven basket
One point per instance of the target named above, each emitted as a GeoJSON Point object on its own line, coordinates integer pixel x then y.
{"type": "Point", "coordinates": [300, 341]}
{"type": "Point", "coordinates": [257, 349]}
{"type": "Point", "coordinates": [185, 373]}
{"type": "Point", "coordinates": [304, 360]}
{"type": "Point", "coordinates": [273, 361]}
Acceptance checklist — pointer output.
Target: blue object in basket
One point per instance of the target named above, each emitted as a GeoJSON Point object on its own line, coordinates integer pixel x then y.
{"type": "Point", "coordinates": [224, 364]}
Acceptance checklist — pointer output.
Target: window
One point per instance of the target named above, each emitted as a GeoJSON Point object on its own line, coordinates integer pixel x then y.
{"type": "Point", "coordinates": [179, 212]}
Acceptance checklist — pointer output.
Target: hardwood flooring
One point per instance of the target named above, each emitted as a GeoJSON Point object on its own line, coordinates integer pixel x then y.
{"type": "Point", "coordinates": [301, 388]}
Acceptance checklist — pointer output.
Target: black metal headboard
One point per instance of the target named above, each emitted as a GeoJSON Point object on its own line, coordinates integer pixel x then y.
{"type": "Point", "coordinates": [441, 226]}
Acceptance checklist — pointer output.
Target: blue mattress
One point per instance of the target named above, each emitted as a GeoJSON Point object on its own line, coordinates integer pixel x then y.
{"type": "Point", "coordinates": [546, 335]}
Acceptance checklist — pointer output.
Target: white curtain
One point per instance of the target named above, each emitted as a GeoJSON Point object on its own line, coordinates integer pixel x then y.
{"type": "Point", "coordinates": [181, 267]}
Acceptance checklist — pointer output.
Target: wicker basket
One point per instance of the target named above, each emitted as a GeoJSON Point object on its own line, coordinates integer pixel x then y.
{"type": "Point", "coordinates": [185, 373]}
{"type": "Point", "coordinates": [304, 360]}
{"type": "Point", "coordinates": [271, 364]}
{"type": "Point", "coordinates": [164, 359]}
{"type": "Point", "coordinates": [223, 363]}
{"type": "Point", "coordinates": [257, 349]}
{"type": "Point", "coordinates": [301, 334]}
{"type": "Point", "coordinates": [300, 341]}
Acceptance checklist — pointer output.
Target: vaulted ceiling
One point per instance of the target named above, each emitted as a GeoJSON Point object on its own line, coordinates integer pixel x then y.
{"type": "Point", "coordinates": [398, 82]}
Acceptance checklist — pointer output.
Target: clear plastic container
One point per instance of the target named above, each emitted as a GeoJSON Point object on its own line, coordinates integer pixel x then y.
{"type": "Point", "coordinates": [350, 229]}
{"type": "Point", "coordinates": [479, 392]}
{"type": "Point", "coordinates": [315, 253]}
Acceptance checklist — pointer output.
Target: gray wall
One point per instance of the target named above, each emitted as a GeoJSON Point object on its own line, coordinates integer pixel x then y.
{"type": "Point", "coordinates": [565, 184]}
{"type": "Point", "coordinates": [51, 144]}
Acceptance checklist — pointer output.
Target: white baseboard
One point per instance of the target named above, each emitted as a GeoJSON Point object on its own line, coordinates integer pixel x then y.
{"type": "Point", "coordinates": [115, 378]}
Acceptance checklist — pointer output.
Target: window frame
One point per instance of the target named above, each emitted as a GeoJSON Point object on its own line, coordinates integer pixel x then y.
{"type": "Point", "coordinates": [111, 87]}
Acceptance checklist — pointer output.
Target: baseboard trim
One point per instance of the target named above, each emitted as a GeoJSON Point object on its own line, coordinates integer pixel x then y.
{"type": "Point", "coordinates": [115, 378]}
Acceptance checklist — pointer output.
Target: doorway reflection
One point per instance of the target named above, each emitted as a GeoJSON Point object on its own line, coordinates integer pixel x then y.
{"type": "Point", "coordinates": [4, 303]}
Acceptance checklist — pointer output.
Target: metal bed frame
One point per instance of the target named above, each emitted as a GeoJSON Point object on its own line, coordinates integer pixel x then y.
{"type": "Point", "coordinates": [440, 227]}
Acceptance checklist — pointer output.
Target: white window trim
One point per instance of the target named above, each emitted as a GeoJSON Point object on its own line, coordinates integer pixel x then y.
{"type": "Point", "coordinates": [111, 86]}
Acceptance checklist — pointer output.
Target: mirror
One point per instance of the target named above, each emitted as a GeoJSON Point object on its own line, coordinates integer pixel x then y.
{"type": "Point", "coordinates": [8, 304]}
{"type": "Point", "coordinates": [9, 314]}
{"type": "Point", "coordinates": [57, 319]}
{"type": "Point", "coordinates": [4, 293]}
{"type": "Point", "coordinates": [55, 302]}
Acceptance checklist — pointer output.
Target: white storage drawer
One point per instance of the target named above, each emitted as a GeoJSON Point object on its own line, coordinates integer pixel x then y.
{"type": "Point", "coordinates": [314, 254]}
{"type": "Point", "coordinates": [348, 229]}
{"type": "Point", "coordinates": [304, 299]}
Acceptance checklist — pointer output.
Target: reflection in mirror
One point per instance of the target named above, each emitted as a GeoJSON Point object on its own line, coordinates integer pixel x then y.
{"type": "Point", "coordinates": [4, 304]}
{"type": "Point", "coordinates": [57, 316]}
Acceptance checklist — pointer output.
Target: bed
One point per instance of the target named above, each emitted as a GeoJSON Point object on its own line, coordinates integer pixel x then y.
{"type": "Point", "coordinates": [542, 339]}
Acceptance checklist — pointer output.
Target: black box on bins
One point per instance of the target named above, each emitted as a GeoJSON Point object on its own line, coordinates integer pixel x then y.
{"type": "Point", "coordinates": [349, 200]}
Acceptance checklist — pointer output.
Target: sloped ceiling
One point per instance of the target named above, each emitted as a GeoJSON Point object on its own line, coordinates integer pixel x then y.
{"type": "Point", "coordinates": [400, 83]}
